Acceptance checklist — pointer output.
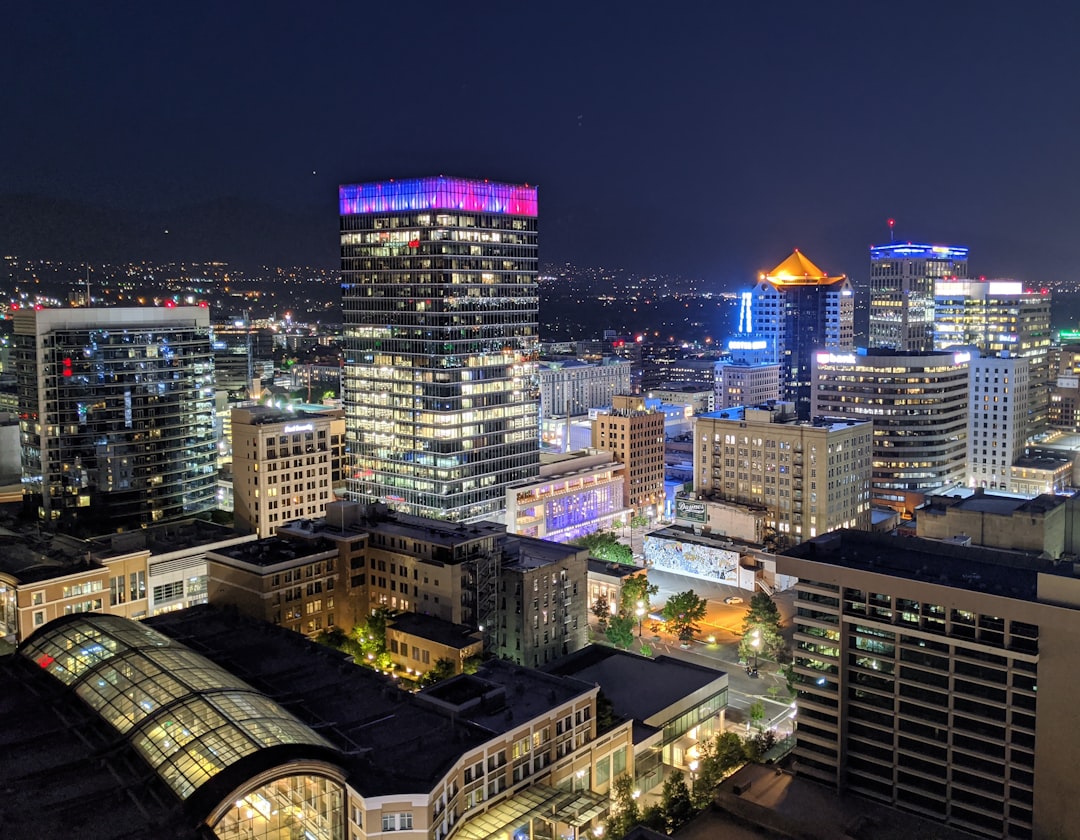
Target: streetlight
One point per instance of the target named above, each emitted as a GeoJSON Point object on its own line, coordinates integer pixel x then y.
{"type": "Point", "coordinates": [693, 766]}
{"type": "Point", "coordinates": [755, 643]}
{"type": "Point", "coordinates": [640, 613]}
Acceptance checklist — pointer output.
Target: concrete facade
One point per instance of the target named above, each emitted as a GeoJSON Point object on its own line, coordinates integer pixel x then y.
{"type": "Point", "coordinates": [939, 679]}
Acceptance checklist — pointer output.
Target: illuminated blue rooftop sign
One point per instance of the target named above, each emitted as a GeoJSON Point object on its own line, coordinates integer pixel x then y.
{"type": "Point", "coordinates": [917, 250]}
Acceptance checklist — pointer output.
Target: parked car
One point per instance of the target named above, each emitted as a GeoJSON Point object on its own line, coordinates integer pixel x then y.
{"type": "Point", "coordinates": [733, 599]}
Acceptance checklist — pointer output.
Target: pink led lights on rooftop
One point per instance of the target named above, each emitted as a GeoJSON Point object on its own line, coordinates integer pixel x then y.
{"type": "Point", "coordinates": [438, 193]}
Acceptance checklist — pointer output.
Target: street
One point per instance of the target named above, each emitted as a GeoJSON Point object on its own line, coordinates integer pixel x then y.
{"type": "Point", "coordinates": [717, 647]}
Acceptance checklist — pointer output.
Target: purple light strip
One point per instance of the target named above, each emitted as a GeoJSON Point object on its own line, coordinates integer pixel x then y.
{"type": "Point", "coordinates": [437, 194]}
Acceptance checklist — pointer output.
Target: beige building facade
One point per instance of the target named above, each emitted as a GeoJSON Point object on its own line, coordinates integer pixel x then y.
{"type": "Point", "coordinates": [286, 465]}
{"type": "Point", "coordinates": [940, 679]}
{"type": "Point", "coordinates": [635, 435]}
{"type": "Point", "coordinates": [811, 477]}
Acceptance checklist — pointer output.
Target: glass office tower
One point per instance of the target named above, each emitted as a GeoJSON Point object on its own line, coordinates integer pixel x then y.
{"type": "Point", "coordinates": [440, 303]}
{"type": "Point", "coordinates": [116, 411]}
{"type": "Point", "coordinates": [902, 278]}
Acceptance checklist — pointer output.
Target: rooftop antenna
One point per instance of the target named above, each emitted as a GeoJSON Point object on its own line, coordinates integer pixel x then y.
{"type": "Point", "coordinates": [88, 285]}
{"type": "Point", "coordinates": [892, 224]}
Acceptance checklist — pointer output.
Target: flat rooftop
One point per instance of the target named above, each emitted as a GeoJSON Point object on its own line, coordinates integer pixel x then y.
{"type": "Point", "coordinates": [1007, 573]}
{"type": "Point", "coordinates": [161, 539]}
{"type": "Point", "coordinates": [521, 552]}
{"type": "Point", "coordinates": [1001, 504]}
{"type": "Point", "coordinates": [639, 687]}
{"type": "Point", "coordinates": [782, 804]}
{"type": "Point", "coordinates": [32, 556]}
{"type": "Point", "coordinates": [273, 551]}
{"type": "Point", "coordinates": [365, 520]}
{"type": "Point", "coordinates": [433, 629]}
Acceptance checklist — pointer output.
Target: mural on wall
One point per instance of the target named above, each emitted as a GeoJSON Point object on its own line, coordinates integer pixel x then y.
{"type": "Point", "coordinates": [687, 558]}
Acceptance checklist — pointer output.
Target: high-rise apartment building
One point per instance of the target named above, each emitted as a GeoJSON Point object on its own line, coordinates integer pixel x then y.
{"type": "Point", "coordinates": [569, 388]}
{"type": "Point", "coordinates": [936, 677]}
{"type": "Point", "coordinates": [918, 403]}
{"type": "Point", "coordinates": [285, 465]}
{"type": "Point", "coordinates": [997, 414]}
{"type": "Point", "coordinates": [811, 477]}
{"type": "Point", "coordinates": [635, 434]}
{"type": "Point", "coordinates": [902, 278]}
{"type": "Point", "coordinates": [1001, 316]}
{"type": "Point", "coordinates": [440, 297]}
{"type": "Point", "coordinates": [798, 309]}
{"type": "Point", "coordinates": [116, 415]}
{"type": "Point", "coordinates": [746, 384]}
{"type": "Point", "coordinates": [1064, 412]}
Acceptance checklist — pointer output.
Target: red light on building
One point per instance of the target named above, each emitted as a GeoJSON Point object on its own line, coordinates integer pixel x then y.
{"type": "Point", "coordinates": [169, 304]}
{"type": "Point", "coordinates": [45, 660]}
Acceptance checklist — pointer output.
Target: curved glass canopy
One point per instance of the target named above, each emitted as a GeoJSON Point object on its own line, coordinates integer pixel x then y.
{"type": "Point", "coordinates": [189, 718]}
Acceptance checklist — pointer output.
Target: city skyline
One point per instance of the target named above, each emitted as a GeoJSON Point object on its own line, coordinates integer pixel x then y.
{"type": "Point", "coordinates": [723, 136]}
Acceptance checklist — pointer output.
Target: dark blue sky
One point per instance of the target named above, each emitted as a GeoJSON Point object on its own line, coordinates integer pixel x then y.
{"type": "Point", "coordinates": [704, 138]}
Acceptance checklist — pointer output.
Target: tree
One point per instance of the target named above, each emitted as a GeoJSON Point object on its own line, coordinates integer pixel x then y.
{"type": "Point", "coordinates": [682, 613]}
{"type": "Point", "coordinates": [762, 612]}
{"type": "Point", "coordinates": [653, 817]}
{"type": "Point", "coordinates": [763, 623]}
{"type": "Point", "coordinates": [602, 610]}
{"type": "Point", "coordinates": [718, 757]}
{"type": "Point", "coordinates": [371, 635]}
{"type": "Point", "coordinates": [636, 588]}
{"type": "Point", "coordinates": [729, 751]}
{"type": "Point", "coordinates": [338, 639]}
{"type": "Point", "coordinates": [757, 714]}
{"type": "Point", "coordinates": [605, 545]}
{"type": "Point", "coordinates": [675, 800]}
{"type": "Point", "coordinates": [443, 669]}
{"type": "Point", "coordinates": [624, 809]}
{"type": "Point", "coordinates": [620, 630]}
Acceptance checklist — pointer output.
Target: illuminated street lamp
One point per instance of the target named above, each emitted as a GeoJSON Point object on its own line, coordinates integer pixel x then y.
{"type": "Point", "coordinates": [755, 643]}
{"type": "Point", "coordinates": [693, 765]}
{"type": "Point", "coordinates": [640, 613]}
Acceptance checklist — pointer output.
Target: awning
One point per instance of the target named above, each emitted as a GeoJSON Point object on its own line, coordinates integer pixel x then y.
{"type": "Point", "coordinates": [575, 808]}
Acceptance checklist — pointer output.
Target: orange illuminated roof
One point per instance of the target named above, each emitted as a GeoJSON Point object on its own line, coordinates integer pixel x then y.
{"type": "Point", "coordinates": [798, 270]}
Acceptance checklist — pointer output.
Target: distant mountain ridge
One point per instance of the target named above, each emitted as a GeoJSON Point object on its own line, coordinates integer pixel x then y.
{"type": "Point", "coordinates": [237, 231]}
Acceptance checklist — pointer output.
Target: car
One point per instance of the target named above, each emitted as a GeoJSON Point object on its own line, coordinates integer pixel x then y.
{"type": "Point", "coordinates": [733, 599]}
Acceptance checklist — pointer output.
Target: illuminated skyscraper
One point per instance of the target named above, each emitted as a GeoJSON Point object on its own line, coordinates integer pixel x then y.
{"type": "Point", "coordinates": [919, 405]}
{"type": "Point", "coordinates": [440, 304]}
{"type": "Point", "coordinates": [998, 317]}
{"type": "Point", "coordinates": [902, 276]}
{"type": "Point", "coordinates": [116, 415]}
{"type": "Point", "coordinates": [797, 309]}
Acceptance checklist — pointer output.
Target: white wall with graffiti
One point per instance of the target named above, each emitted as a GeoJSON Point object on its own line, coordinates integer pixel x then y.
{"type": "Point", "coordinates": [691, 558]}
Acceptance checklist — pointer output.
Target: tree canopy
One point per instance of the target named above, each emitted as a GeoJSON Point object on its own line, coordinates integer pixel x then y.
{"type": "Point", "coordinates": [620, 630]}
{"type": "Point", "coordinates": [605, 545]}
{"type": "Point", "coordinates": [636, 588]}
{"type": "Point", "coordinates": [762, 622]}
{"type": "Point", "coordinates": [682, 613]}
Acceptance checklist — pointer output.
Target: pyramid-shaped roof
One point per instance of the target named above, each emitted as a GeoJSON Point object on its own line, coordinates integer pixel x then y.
{"type": "Point", "coordinates": [798, 270]}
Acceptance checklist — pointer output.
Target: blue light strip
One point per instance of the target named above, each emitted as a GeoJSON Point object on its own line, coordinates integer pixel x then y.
{"type": "Point", "coordinates": [439, 193]}
{"type": "Point", "coordinates": [910, 250]}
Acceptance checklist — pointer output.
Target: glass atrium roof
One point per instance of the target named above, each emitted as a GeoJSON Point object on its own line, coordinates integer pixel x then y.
{"type": "Point", "coordinates": [189, 718]}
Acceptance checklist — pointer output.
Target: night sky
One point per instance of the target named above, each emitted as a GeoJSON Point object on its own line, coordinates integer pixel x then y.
{"type": "Point", "coordinates": [705, 139]}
